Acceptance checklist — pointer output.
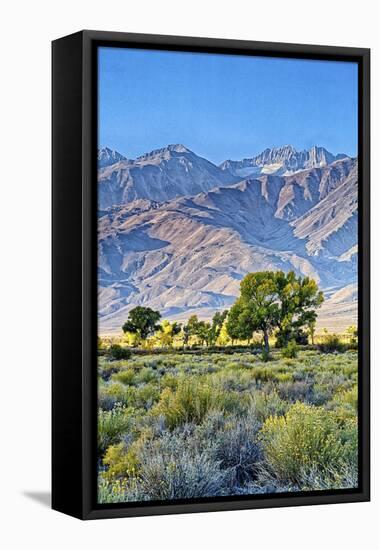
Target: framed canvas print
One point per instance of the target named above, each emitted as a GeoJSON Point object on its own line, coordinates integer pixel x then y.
{"type": "Point", "coordinates": [210, 274]}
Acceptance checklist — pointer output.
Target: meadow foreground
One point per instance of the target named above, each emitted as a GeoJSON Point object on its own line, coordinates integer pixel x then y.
{"type": "Point", "coordinates": [180, 425]}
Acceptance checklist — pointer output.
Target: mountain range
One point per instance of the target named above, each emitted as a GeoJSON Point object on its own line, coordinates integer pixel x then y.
{"type": "Point", "coordinates": [281, 160]}
{"type": "Point", "coordinates": [178, 233]}
{"type": "Point", "coordinates": [161, 175]}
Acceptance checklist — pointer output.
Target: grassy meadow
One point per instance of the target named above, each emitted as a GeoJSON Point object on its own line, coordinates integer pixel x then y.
{"type": "Point", "coordinates": [175, 424]}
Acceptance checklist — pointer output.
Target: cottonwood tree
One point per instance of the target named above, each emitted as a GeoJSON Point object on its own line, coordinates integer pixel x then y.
{"type": "Point", "coordinates": [198, 329]}
{"type": "Point", "coordinates": [142, 321]}
{"type": "Point", "coordinates": [167, 331]}
{"type": "Point", "coordinates": [259, 303]}
{"type": "Point", "coordinates": [239, 324]}
{"type": "Point", "coordinates": [298, 299]}
{"type": "Point", "coordinates": [216, 326]}
{"type": "Point", "coordinates": [186, 335]}
{"type": "Point", "coordinates": [272, 300]}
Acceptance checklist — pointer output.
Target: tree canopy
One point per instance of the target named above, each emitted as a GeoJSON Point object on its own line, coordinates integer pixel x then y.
{"type": "Point", "coordinates": [274, 300]}
{"type": "Point", "coordinates": [167, 331]}
{"type": "Point", "coordinates": [142, 321]}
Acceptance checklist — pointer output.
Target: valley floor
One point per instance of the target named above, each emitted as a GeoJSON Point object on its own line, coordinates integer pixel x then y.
{"type": "Point", "coordinates": [174, 426]}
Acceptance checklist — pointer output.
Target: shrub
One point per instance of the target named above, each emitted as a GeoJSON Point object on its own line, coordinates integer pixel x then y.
{"type": "Point", "coordinates": [345, 404]}
{"type": "Point", "coordinates": [301, 338]}
{"type": "Point", "coordinates": [111, 426]}
{"type": "Point", "coordinates": [125, 377]}
{"type": "Point", "coordinates": [122, 460]}
{"type": "Point", "coordinates": [265, 404]}
{"type": "Point", "coordinates": [143, 396]}
{"type": "Point", "coordinates": [266, 356]}
{"type": "Point", "coordinates": [284, 377]}
{"type": "Point", "coordinates": [172, 471]}
{"type": "Point", "coordinates": [290, 351]}
{"type": "Point", "coordinates": [145, 375]}
{"type": "Point", "coordinates": [305, 439]}
{"type": "Point", "coordinates": [106, 402]}
{"type": "Point", "coordinates": [229, 418]}
{"type": "Point", "coordinates": [169, 380]}
{"type": "Point", "coordinates": [235, 444]}
{"type": "Point", "coordinates": [111, 394]}
{"type": "Point", "coordinates": [107, 368]}
{"type": "Point", "coordinates": [192, 400]}
{"type": "Point", "coordinates": [320, 395]}
{"type": "Point", "coordinates": [120, 463]}
{"type": "Point", "coordinates": [262, 374]}
{"type": "Point", "coordinates": [118, 352]}
{"type": "Point", "coordinates": [168, 468]}
{"type": "Point", "coordinates": [348, 398]}
{"type": "Point", "coordinates": [111, 491]}
{"type": "Point", "coordinates": [100, 343]}
{"type": "Point", "coordinates": [353, 334]}
{"type": "Point", "coordinates": [343, 477]}
{"type": "Point", "coordinates": [295, 391]}
{"type": "Point", "coordinates": [331, 344]}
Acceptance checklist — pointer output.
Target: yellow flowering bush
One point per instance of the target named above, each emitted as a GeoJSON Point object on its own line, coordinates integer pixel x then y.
{"type": "Point", "coordinates": [306, 437]}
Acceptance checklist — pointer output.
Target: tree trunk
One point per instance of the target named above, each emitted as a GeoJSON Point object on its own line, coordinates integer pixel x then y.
{"type": "Point", "coordinates": [266, 344]}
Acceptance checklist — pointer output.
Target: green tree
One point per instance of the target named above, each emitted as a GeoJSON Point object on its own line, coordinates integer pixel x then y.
{"type": "Point", "coordinates": [142, 321]}
{"type": "Point", "coordinates": [259, 303]}
{"type": "Point", "coordinates": [274, 299]}
{"type": "Point", "coordinates": [215, 329]}
{"type": "Point", "coordinates": [166, 333]}
{"type": "Point", "coordinates": [192, 325]}
{"type": "Point", "coordinates": [176, 328]}
{"type": "Point", "coordinates": [190, 329]}
{"type": "Point", "coordinates": [239, 323]}
{"type": "Point", "coordinates": [132, 339]}
{"type": "Point", "coordinates": [298, 298]}
{"type": "Point", "coordinates": [223, 338]}
{"type": "Point", "coordinates": [198, 329]}
{"type": "Point", "coordinates": [353, 334]}
{"type": "Point", "coordinates": [203, 332]}
{"type": "Point", "coordinates": [186, 335]}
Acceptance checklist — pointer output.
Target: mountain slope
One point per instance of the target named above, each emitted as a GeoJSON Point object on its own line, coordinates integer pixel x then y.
{"type": "Point", "coordinates": [330, 227]}
{"type": "Point", "coordinates": [340, 309]}
{"type": "Point", "coordinates": [188, 255]}
{"type": "Point", "coordinates": [305, 189]}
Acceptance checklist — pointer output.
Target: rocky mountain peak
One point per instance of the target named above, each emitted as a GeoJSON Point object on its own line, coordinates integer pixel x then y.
{"type": "Point", "coordinates": [164, 152]}
{"type": "Point", "coordinates": [160, 175]}
{"type": "Point", "coordinates": [107, 157]}
{"type": "Point", "coordinates": [283, 160]}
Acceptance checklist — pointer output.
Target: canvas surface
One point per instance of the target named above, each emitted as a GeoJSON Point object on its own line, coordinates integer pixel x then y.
{"type": "Point", "coordinates": [227, 275]}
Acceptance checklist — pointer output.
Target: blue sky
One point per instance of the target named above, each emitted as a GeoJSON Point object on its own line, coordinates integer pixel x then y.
{"type": "Point", "coordinates": [222, 106]}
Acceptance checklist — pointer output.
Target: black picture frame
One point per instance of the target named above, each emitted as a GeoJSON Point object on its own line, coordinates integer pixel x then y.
{"type": "Point", "coordinates": [74, 295]}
